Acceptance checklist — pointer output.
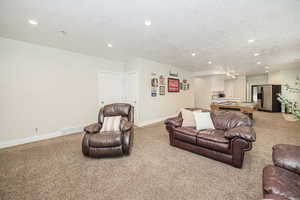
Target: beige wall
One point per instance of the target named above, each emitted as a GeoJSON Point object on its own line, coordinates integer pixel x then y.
{"type": "Point", "coordinates": [275, 78]}
{"type": "Point", "coordinates": [287, 76]}
{"type": "Point", "coordinates": [56, 91]}
{"type": "Point", "coordinates": [204, 88]}
{"type": "Point", "coordinates": [46, 88]}
{"type": "Point", "coordinates": [229, 88]}
{"type": "Point", "coordinates": [153, 109]}
{"type": "Point", "coordinates": [216, 82]}
{"type": "Point", "coordinates": [240, 88]}
{"type": "Point", "coordinates": [236, 88]}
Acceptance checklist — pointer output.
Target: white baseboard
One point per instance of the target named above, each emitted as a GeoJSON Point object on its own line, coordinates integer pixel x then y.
{"type": "Point", "coordinates": [149, 122]}
{"type": "Point", "coordinates": [65, 131]}
{"type": "Point", "coordinates": [36, 138]}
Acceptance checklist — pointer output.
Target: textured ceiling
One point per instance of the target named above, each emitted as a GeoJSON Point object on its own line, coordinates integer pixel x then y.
{"type": "Point", "coordinates": [217, 30]}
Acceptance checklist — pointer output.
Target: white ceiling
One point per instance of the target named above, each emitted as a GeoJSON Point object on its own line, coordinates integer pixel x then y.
{"type": "Point", "coordinates": [216, 30]}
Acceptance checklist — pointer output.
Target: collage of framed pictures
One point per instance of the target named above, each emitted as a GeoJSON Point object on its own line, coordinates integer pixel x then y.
{"type": "Point", "coordinates": [174, 85]}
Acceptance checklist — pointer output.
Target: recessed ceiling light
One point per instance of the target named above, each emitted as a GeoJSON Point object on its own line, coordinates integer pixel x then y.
{"type": "Point", "coordinates": [258, 62]}
{"type": "Point", "coordinates": [109, 45]}
{"type": "Point", "coordinates": [267, 71]}
{"type": "Point", "coordinates": [251, 41]}
{"type": "Point", "coordinates": [148, 22]}
{"type": "Point", "coordinates": [33, 22]}
{"type": "Point", "coordinates": [267, 67]}
{"type": "Point", "coordinates": [256, 54]}
{"type": "Point", "coordinates": [209, 62]}
{"type": "Point", "coordinates": [193, 54]}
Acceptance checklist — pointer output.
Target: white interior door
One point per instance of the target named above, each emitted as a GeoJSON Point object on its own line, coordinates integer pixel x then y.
{"type": "Point", "coordinates": [110, 87]}
{"type": "Point", "coordinates": [131, 92]}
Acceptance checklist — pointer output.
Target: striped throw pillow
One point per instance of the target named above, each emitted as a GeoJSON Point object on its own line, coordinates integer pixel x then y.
{"type": "Point", "coordinates": [111, 124]}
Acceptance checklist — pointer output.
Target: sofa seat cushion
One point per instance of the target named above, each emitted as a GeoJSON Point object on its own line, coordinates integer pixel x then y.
{"type": "Point", "coordinates": [213, 135]}
{"type": "Point", "coordinates": [213, 139]}
{"type": "Point", "coordinates": [105, 139]}
{"type": "Point", "coordinates": [187, 134]}
{"type": "Point", "coordinates": [281, 182]}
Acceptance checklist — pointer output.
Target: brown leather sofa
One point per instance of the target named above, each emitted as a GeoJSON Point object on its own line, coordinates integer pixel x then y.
{"type": "Point", "coordinates": [227, 143]}
{"type": "Point", "coordinates": [108, 144]}
{"type": "Point", "coordinates": [281, 181]}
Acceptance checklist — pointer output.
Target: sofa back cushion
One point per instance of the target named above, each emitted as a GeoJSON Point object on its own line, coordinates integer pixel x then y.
{"type": "Point", "coordinates": [117, 109]}
{"type": "Point", "coordinates": [225, 120]}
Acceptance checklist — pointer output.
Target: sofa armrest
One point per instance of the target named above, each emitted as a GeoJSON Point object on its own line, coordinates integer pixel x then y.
{"type": "Point", "coordinates": [125, 125]}
{"type": "Point", "coordinates": [93, 128]}
{"type": "Point", "coordinates": [287, 156]}
{"type": "Point", "coordinates": [174, 121]}
{"type": "Point", "coordinates": [244, 132]}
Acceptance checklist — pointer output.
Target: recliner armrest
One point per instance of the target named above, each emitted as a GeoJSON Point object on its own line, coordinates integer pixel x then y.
{"type": "Point", "coordinates": [127, 137]}
{"type": "Point", "coordinates": [93, 128]}
{"type": "Point", "coordinates": [125, 125]}
{"type": "Point", "coordinates": [174, 121]}
{"type": "Point", "coordinates": [244, 132]}
{"type": "Point", "coordinates": [287, 156]}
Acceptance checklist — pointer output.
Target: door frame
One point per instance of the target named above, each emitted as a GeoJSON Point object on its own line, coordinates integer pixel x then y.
{"type": "Point", "coordinates": [137, 102]}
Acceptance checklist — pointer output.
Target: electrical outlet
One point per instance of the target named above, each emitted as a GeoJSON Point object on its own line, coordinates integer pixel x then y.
{"type": "Point", "coordinates": [36, 130]}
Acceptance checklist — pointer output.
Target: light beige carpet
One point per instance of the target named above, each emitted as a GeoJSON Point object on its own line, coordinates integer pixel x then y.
{"type": "Point", "coordinates": [56, 168]}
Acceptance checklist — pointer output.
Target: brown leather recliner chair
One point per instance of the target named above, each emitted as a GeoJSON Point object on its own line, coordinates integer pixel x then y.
{"type": "Point", "coordinates": [281, 181]}
{"type": "Point", "coordinates": [227, 143]}
{"type": "Point", "coordinates": [109, 144]}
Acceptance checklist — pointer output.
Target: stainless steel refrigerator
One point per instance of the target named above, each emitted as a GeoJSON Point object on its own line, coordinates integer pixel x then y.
{"type": "Point", "coordinates": [267, 97]}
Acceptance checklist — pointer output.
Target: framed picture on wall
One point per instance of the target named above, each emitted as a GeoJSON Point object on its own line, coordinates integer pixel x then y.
{"type": "Point", "coordinates": [153, 92]}
{"type": "Point", "coordinates": [154, 86]}
{"type": "Point", "coordinates": [162, 90]}
{"type": "Point", "coordinates": [154, 82]}
{"type": "Point", "coordinates": [173, 85]}
{"type": "Point", "coordinates": [161, 80]}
